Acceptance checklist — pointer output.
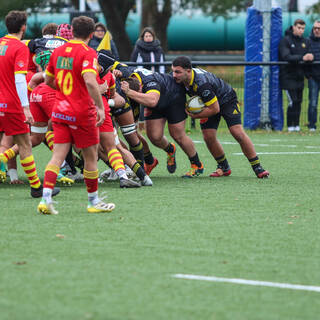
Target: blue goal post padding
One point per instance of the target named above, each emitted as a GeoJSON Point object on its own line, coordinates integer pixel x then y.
{"type": "Point", "coordinates": [253, 74]}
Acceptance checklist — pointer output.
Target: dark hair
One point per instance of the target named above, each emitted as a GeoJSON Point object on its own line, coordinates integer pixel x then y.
{"type": "Point", "coordinates": [101, 25]}
{"type": "Point", "coordinates": [134, 83]}
{"type": "Point", "coordinates": [82, 27]}
{"type": "Point", "coordinates": [182, 61]}
{"type": "Point", "coordinates": [49, 28]}
{"type": "Point", "coordinates": [15, 20]}
{"type": "Point", "coordinates": [299, 21]}
{"type": "Point", "coordinates": [145, 30]}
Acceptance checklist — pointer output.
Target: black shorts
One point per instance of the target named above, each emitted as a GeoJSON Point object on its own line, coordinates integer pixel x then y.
{"type": "Point", "coordinates": [173, 110]}
{"type": "Point", "coordinates": [230, 111]}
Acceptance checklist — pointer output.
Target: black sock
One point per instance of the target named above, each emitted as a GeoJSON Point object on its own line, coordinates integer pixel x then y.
{"type": "Point", "coordinates": [169, 148]}
{"type": "Point", "coordinates": [137, 152]}
{"type": "Point", "coordinates": [148, 158]}
{"type": "Point", "coordinates": [255, 162]}
{"type": "Point", "coordinates": [223, 162]}
{"type": "Point", "coordinates": [70, 162]}
{"type": "Point", "coordinates": [195, 160]}
{"type": "Point", "coordinates": [138, 170]}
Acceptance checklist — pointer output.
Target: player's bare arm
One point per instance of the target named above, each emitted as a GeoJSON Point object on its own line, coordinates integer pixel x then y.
{"type": "Point", "coordinates": [149, 99]}
{"type": "Point", "coordinates": [49, 80]}
{"type": "Point", "coordinates": [207, 112]}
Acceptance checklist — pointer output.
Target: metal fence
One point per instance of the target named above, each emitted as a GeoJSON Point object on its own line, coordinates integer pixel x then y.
{"type": "Point", "coordinates": [233, 73]}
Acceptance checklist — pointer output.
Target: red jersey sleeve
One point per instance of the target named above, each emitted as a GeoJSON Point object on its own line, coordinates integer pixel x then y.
{"type": "Point", "coordinates": [21, 60]}
{"type": "Point", "coordinates": [90, 62]}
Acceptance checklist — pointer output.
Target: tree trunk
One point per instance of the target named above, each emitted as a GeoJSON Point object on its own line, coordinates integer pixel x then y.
{"type": "Point", "coordinates": [159, 20]}
{"type": "Point", "coordinates": [116, 13]}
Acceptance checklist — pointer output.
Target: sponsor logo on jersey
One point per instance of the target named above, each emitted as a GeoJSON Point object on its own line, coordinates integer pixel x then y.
{"type": "Point", "coordinates": [3, 50]}
{"type": "Point", "coordinates": [63, 117]}
{"type": "Point", "coordinates": [205, 93]}
{"type": "Point", "coordinates": [85, 63]}
{"type": "Point", "coordinates": [3, 105]}
{"type": "Point", "coordinates": [35, 97]}
{"type": "Point", "coordinates": [52, 44]}
{"type": "Point", "coordinates": [65, 63]}
{"type": "Point", "coordinates": [151, 84]}
{"type": "Point", "coordinates": [95, 63]}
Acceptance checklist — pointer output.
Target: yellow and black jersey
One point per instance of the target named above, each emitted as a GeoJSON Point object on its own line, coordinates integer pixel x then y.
{"type": "Point", "coordinates": [45, 43]}
{"type": "Point", "coordinates": [161, 83]}
{"type": "Point", "coordinates": [209, 87]}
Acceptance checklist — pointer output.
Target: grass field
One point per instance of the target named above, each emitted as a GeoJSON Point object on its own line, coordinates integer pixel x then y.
{"type": "Point", "coordinates": [121, 265]}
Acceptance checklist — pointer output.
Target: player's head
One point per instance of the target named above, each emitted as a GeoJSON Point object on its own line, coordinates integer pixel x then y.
{"type": "Point", "coordinates": [42, 58]}
{"type": "Point", "coordinates": [105, 60]}
{"type": "Point", "coordinates": [16, 21]}
{"type": "Point", "coordinates": [134, 83]}
{"type": "Point", "coordinates": [49, 29]}
{"type": "Point", "coordinates": [64, 31]}
{"type": "Point", "coordinates": [83, 27]}
{"type": "Point", "coordinates": [298, 27]}
{"type": "Point", "coordinates": [181, 69]}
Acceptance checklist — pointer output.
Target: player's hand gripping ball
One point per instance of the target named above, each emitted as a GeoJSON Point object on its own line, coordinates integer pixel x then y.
{"type": "Point", "coordinates": [195, 105]}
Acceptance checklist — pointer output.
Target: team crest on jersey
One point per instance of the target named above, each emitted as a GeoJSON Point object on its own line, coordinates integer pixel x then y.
{"type": "Point", "coordinates": [85, 63]}
{"type": "Point", "coordinates": [20, 64]}
{"type": "Point", "coordinates": [68, 49]}
{"type": "Point", "coordinates": [3, 50]}
{"type": "Point", "coordinates": [65, 63]}
{"type": "Point", "coordinates": [303, 45]}
{"type": "Point", "coordinates": [205, 93]}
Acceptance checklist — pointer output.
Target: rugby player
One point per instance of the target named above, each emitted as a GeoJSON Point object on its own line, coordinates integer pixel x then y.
{"type": "Point", "coordinates": [221, 101]}
{"type": "Point", "coordinates": [15, 115]}
{"type": "Point", "coordinates": [72, 71]}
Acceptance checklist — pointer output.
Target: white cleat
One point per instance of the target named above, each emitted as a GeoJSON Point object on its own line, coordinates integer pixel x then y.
{"type": "Point", "coordinates": [147, 182]}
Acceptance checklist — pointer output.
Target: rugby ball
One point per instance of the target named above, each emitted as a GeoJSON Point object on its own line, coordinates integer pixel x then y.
{"type": "Point", "coordinates": [195, 105]}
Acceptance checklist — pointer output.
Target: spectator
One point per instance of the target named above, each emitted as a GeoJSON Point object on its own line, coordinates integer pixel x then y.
{"type": "Point", "coordinates": [99, 32]}
{"type": "Point", "coordinates": [293, 48]}
{"type": "Point", "coordinates": [148, 49]}
{"type": "Point", "coordinates": [314, 80]}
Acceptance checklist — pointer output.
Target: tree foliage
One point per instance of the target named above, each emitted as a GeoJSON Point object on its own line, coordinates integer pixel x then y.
{"type": "Point", "coordinates": [314, 11]}
{"type": "Point", "coordinates": [22, 5]}
{"type": "Point", "coordinates": [216, 8]}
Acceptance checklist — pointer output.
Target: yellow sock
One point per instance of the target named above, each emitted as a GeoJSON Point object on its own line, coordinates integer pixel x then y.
{"type": "Point", "coordinates": [7, 155]}
{"type": "Point", "coordinates": [50, 139]}
{"type": "Point", "coordinates": [115, 160]}
{"type": "Point", "coordinates": [29, 168]}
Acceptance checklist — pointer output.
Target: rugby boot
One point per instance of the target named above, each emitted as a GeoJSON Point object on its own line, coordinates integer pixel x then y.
{"type": "Point", "coordinates": [100, 207]}
{"type": "Point", "coordinates": [37, 192]}
{"type": "Point", "coordinates": [128, 183]}
{"type": "Point", "coordinates": [64, 180]}
{"type": "Point", "coordinates": [147, 182]}
{"type": "Point", "coordinates": [261, 173]}
{"type": "Point", "coordinates": [194, 171]}
{"type": "Point", "coordinates": [46, 208]}
{"type": "Point", "coordinates": [220, 172]}
{"type": "Point", "coordinates": [171, 160]}
{"type": "Point", "coordinates": [149, 167]}
{"type": "Point", "coordinates": [3, 176]}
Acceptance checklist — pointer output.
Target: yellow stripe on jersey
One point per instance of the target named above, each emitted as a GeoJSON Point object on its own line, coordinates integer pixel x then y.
{"type": "Point", "coordinates": [114, 65]}
{"type": "Point", "coordinates": [192, 78]}
{"type": "Point", "coordinates": [213, 100]}
{"type": "Point", "coordinates": [137, 76]}
{"type": "Point", "coordinates": [153, 90]}
{"type": "Point", "coordinates": [25, 71]}
{"type": "Point", "coordinates": [113, 86]}
{"type": "Point", "coordinates": [49, 73]}
{"type": "Point", "coordinates": [89, 70]}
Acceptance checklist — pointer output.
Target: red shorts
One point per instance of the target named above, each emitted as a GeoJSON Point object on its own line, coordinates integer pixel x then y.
{"type": "Point", "coordinates": [39, 114]}
{"type": "Point", "coordinates": [82, 137]}
{"type": "Point", "coordinates": [13, 123]}
{"type": "Point", "coordinates": [107, 126]}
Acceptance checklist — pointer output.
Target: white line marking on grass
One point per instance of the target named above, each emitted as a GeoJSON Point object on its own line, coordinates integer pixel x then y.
{"type": "Point", "coordinates": [248, 282]}
{"type": "Point", "coordinates": [293, 152]}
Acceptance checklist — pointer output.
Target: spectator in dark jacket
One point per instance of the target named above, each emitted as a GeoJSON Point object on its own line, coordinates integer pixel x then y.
{"type": "Point", "coordinates": [148, 49]}
{"type": "Point", "coordinates": [99, 32]}
{"type": "Point", "coordinates": [293, 48]}
{"type": "Point", "coordinates": [314, 80]}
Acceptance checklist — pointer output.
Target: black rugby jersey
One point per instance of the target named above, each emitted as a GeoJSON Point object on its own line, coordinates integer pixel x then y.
{"type": "Point", "coordinates": [49, 42]}
{"type": "Point", "coordinates": [209, 87]}
{"type": "Point", "coordinates": [162, 83]}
